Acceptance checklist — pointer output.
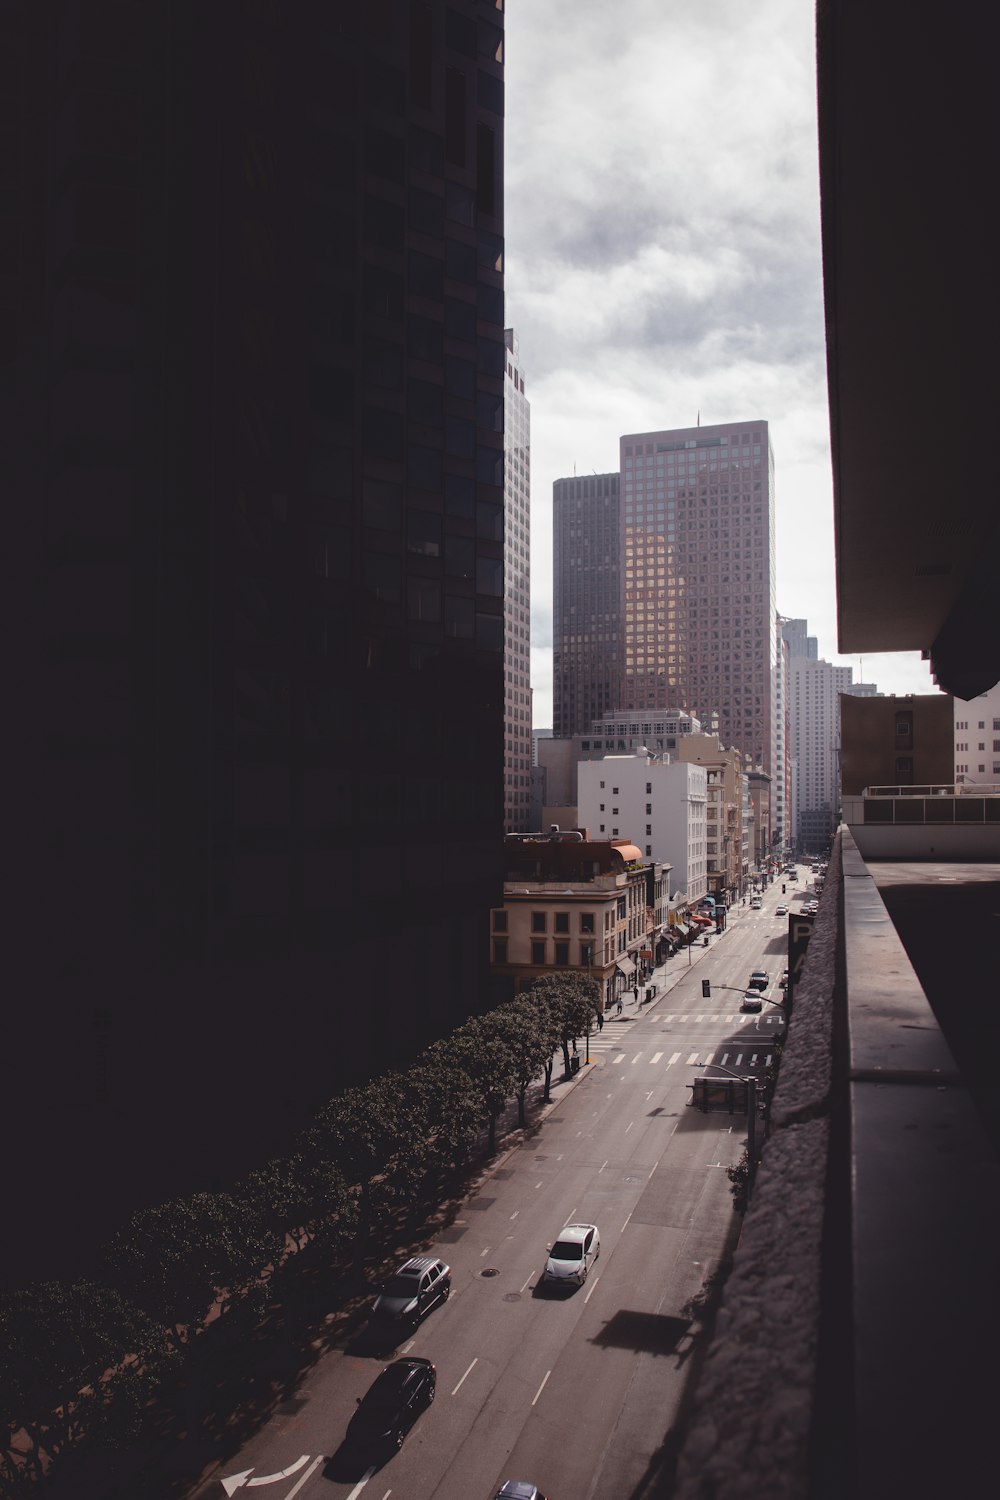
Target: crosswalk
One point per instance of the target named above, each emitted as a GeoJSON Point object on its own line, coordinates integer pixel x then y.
{"type": "Point", "coordinates": [752, 1046]}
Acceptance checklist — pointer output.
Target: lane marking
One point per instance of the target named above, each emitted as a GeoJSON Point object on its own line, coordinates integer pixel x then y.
{"type": "Point", "coordinates": [311, 1470]}
{"type": "Point", "coordinates": [725, 1056]}
{"type": "Point", "coordinates": [692, 1059]}
{"type": "Point", "coordinates": [593, 1284]}
{"type": "Point", "coordinates": [485, 1252]}
{"type": "Point", "coordinates": [739, 1058]}
{"type": "Point", "coordinates": [683, 1018]}
{"type": "Point", "coordinates": [624, 1226]}
{"type": "Point", "coordinates": [467, 1373]}
{"type": "Point", "coordinates": [767, 1063]}
{"type": "Point", "coordinates": [542, 1386]}
{"type": "Point", "coordinates": [515, 1213]}
{"type": "Point", "coordinates": [522, 1290]}
{"type": "Point", "coordinates": [601, 1169]}
{"type": "Point", "coordinates": [673, 1059]}
{"type": "Point", "coordinates": [628, 1127]}
{"type": "Point", "coordinates": [359, 1486]}
{"type": "Point", "coordinates": [616, 1060]}
{"type": "Point", "coordinates": [655, 1059]}
{"type": "Point", "coordinates": [537, 1186]}
{"type": "Point", "coordinates": [649, 1095]}
{"type": "Point", "coordinates": [635, 1059]}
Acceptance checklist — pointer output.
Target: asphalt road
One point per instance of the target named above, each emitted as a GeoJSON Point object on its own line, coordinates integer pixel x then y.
{"type": "Point", "coordinates": [577, 1392]}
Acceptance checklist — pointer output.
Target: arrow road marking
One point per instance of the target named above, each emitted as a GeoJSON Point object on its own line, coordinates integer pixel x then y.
{"type": "Point", "coordinates": [236, 1481]}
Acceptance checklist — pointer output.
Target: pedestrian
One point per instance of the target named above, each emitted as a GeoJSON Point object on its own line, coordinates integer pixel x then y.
{"type": "Point", "coordinates": [600, 1020]}
{"type": "Point", "coordinates": [621, 1004]}
{"type": "Point", "coordinates": [636, 993]}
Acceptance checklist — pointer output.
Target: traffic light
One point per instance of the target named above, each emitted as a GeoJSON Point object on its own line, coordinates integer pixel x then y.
{"type": "Point", "coordinates": [706, 989]}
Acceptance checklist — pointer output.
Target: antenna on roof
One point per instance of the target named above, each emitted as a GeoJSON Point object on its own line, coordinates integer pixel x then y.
{"type": "Point", "coordinates": [698, 423]}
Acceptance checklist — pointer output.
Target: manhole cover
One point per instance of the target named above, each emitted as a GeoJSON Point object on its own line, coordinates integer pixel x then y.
{"type": "Point", "coordinates": [491, 1271]}
{"type": "Point", "coordinates": [512, 1296]}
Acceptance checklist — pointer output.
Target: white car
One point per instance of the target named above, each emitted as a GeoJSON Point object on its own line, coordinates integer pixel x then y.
{"type": "Point", "coordinates": [573, 1254]}
{"type": "Point", "coordinates": [781, 911]}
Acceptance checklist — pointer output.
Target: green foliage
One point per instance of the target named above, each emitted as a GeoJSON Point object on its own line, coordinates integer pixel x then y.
{"type": "Point", "coordinates": [530, 1031]}
{"type": "Point", "coordinates": [174, 1260]}
{"type": "Point", "coordinates": [450, 1103]}
{"type": "Point", "coordinates": [78, 1361]}
{"type": "Point", "coordinates": [480, 1050]}
{"type": "Point", "coordinates": [304, 1198]}
{"type": "Point", "coordinates": [739, 1176]}
{"type": "Point", "coordinates": [574, 1001]}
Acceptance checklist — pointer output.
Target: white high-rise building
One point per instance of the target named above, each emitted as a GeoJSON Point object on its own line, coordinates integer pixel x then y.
{"type": "Point", "coordinates": [659, 805]}
{"type": "Point", "coordinates": [977, 737]}
{"type": "Point", "coordinates": [517, 593]}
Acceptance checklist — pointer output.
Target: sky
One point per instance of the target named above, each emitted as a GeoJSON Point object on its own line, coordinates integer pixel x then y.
{"type": "Point", "coordinates": [663, 263]}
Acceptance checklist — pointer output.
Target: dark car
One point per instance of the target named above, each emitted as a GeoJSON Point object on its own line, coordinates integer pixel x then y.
{"type": "Point", "coordinates": [384, 1417]}
{"type": "Point", "coordinates": [417, 1287]}
{"type": "Point", "coordinates": [518, 1489]}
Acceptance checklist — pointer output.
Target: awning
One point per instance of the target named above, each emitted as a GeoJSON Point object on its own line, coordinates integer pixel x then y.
{"type": "Point", "coordinates": [625, 966]}
{"type": "Point", "coordinates": [705, 921]}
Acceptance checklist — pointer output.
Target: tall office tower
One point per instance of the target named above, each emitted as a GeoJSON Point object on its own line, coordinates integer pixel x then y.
{"type": "Point", "coordinates": [517, 595]}
{"type": "Point", "coordinates": [256, 349]}
{"type": "Point", "coordinates": [782, 832]}
{"type": "Point", "coordinates": [814, 731]}
{"type": "Point", "coordinates": [586, 603]}
{"type": "Point", "coordinates": [800, 642]}
{"type": "Point", "coordinates": [698, 565]}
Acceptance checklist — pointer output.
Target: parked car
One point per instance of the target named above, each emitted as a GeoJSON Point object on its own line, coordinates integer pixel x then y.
{"type": "Point", "coordinates": [759, 980]}
{"type": "Point", "coordinates": [518, 1489]}
{"type": "Point", "coordinates": [751, 1001]}
{"type": "Point", "coordinates": [573, 1254]}
{"type": "Point", "coordinates": [385, 1415]}
{"type": "Point", "coordinates": [417, 1287]}
{"type": "Point", "coordinates": [783, 981]}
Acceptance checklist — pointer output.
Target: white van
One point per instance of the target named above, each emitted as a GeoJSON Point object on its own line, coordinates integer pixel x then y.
{"type": "Point", "coordinates": [755, 903]}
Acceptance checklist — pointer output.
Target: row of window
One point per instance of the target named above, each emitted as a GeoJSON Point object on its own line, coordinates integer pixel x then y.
{"type": "Point", "coordinates": [540, 952]}
{"type": "Point", "coordinates": [560, 921]}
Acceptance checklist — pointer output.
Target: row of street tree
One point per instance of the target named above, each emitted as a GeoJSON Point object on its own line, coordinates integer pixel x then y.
{"type": "Point", "coordinates": [83, 1363]}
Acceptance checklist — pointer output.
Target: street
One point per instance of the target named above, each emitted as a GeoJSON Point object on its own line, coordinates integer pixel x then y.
{"type": "Point", "coordinates": [576, 1391]}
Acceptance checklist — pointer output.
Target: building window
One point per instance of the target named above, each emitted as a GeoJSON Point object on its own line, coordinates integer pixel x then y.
{"type": "Point", "coordinates": [538, 921]}
{"type": "Point", "coordinates": [649, 787]}
{"type": "Point", "coordinates": [562, 921]}
{"type": "Point", "coordinates": [562, 953]}
{"type": "Point", "coordinates": [538, 953]}
{"type": "Point", "coordinates": [586, 921]}
{"type": "Point", "coordinates": [499, 921]}
{"type": "Point", "coordinates": [499, 950]}
{"type": "Point", "coordinates": [649, 808]}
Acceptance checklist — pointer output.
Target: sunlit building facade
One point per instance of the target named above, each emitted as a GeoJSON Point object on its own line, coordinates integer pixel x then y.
{"type": "Point", "coordinates": [517, 592]}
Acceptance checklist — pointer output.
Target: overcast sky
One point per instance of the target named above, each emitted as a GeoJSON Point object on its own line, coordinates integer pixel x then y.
{"type": "Point", "coordinates": [663, 260]}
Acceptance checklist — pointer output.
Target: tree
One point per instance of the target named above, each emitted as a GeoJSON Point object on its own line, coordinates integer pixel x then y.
{"type": "Point", "coordinates": [304, 1198]}
{"type": "Point", "coordinates": [176, 1260]}
{"type": "Point", "coordinates": [483, 1053]}
{"type": "Point", "coordinates": [528, 1029]}
{"type": "Point", "coordinates": [574, 1000]}
{"type": "Point", "coordinates": [80, 1363]}
{"type": "Point", "coordinates": [360, 1131]}
{"type": "Point", "coordinates": [451, 1104]}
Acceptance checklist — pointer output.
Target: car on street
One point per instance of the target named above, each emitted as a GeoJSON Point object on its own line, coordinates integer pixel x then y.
{"type": "Point", "coordinates": [571, 1257]}
{"type": "Point", "coordinates": [783, 981]}
{"type": "Point", "coordinates": [781, 911]}
{"type": "Point", "coordinates": [417, 1287]}
{"type": "Point", "coordinates": [392, 1405]}
{"type": "Point", "coordinates": [759, 980]}
{"type": "Point", "coordinates": [751, 1001]}
{"type": "Point", "coordinates": [518, 1489]}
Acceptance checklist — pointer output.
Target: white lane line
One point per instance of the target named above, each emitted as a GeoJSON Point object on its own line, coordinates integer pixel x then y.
{"type": "Point", "coordinates": [673, 1058]}
{"type": "Point", "coordinates": [624, 1226]}
{"type": "Point", "coordinates": [560, 1156]}
{"type": "Point", "coordinates": [407, 1346]}
{"type": "Point", "coordinates": [616, 1060]}
{"type": "Point", "coordinates": [569, 1218]}
{"type": "Point", "coordinates": [683, 1018]}
{"type": "Point", "coordinates": [485, 1252]}
{"type": "Point", "coordinates": [537, 1186]}
{"type": "Point", "coordinates": [628, 1127]}
{"type": "Point", "coordinates": [649, 1094]}
{"type": "Point", "coordinates": [656, 1057]}
{"type": "Point", "coordinates": [767, 1064]}
{"type": "Point", "coordinates": [590, 1293]}
{"type": "Point", "coordinates": [311, 1470]}
{"type": "Point", "coordinates": [515, 1213]}
{"type": "Point", "coordinates": [528, 1282]}
{"type": "Point", "coordinates": [692, 1059]}
{"type": "Point", "coordinates": [467, 1373]}
{"type": "Point", "coordinates": [542, 1386]}
{"type": "Point", "coordinates": [601, 1169]}
{"type": "Point", "coordinates": [635, 1059]}
{"type": "Point", "coordinates": [725, 1056]}
{"type": "Point", "coordinates": [753, 1058]}
{"type": "Point", "coordinates": [655, 1164]}
{"type": "Point", "coordinates": [739, 1058]}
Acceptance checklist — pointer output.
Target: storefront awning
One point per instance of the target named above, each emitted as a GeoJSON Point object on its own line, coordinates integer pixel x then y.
{"type": "Point", "coordinates": [626, 966]}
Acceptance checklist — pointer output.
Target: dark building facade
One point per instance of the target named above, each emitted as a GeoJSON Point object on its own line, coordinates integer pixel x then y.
{"type": "Point", "coordinates": [586, 602]}
{"type": "Point", "coordinates": [253, 368]}
{"type": "Point", "coordinates": [901, 740]}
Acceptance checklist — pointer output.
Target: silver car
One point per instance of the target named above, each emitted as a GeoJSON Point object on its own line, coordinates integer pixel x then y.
{"type": "Point", "coordinates": [573, 1254]}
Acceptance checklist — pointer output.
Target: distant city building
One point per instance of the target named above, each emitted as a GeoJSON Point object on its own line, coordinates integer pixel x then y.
{"type": "Point", "coordinates": [586, 601]}
{"type": "Point", "coordinates": [517, 593]}
{"type": "Point", "coordinates": [572, 904]}
{"type": "Point", "coordinates": [660, 805]}
{"type": "Point", "coordinates": [898, 741]}
{"type": "Point", "coordinates": [977, 737]}
{"type": "Point", "coordinates": [726, 870]}
{"type": "Point", "coordinates": [614, 734]}
{"type": "Point", "coordinates": [814, 720]}
{"type": "Point", "coordinates": [698, 563]}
